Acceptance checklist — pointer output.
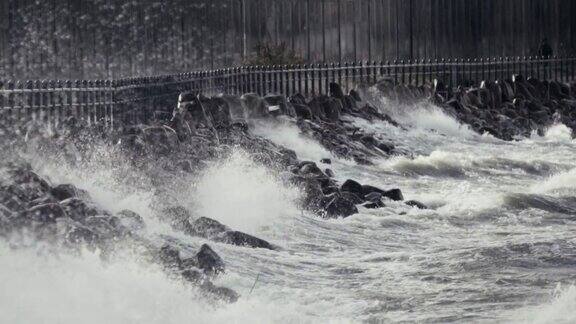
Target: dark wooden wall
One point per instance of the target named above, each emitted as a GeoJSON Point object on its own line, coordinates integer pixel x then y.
{"type": "Point", "coordinates": [114, 38]}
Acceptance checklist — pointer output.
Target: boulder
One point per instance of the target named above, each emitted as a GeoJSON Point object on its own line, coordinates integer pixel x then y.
{"type": "Point", "coordinates": [302, 111]}
{"type": "Point", "coordinates": [254, 105]}
{"type": "Point", "coordinates": [79, 210]}
{"type": "Point", "coordinates": [339, 206]}
{"type": "Point", "coordinates": [393, 194]}
{"type": "Point", "coordinates": [415, 203]}
{"type": "Point", "coordinates": [64, 191]}
{"type": "Point", "coordinates": [243, 239]}
{"type": "Point", "coordinates": [47, 213]}
{"type": "Point", "coordinates": [177, 216]}
{"type": "Point", "coordinates": [169, 257]}
{"type": "Point", "coordinates": [130, 220]}
{"type": "Point", "coordinates": [209, 261]}
{"type": "Point", "coordinates": [335, 90]}
{"type": "Point", "coordinates": [352, 187]}
{"type": "Point", "coordinates": [206, 227]}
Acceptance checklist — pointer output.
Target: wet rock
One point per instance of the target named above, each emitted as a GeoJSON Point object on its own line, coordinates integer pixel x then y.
{"type": "Point", "coordinates": [80, 234]}
{"type": "Point", "coordinates": [354, 198]}
{"type": "Point", "coordinates": [393, 194]}
{"type": "Point", "coordinates": [130, 220]}
{"type": "Point", "coordinates": [255, 106]}
{"type": "Point", "coordinates": [194, 276]}
{"type": "Point", "coordinates": [169, 256]}
{"type": "Point", "coordinates": [64, 191]}
{"type": "Point", "coordinates": [209, 261]}
{"type": "Point", "coordinates": [367, 189]}
{"type": "Point", "coordinates": [373, 197]}
{"type": "Point", "coordinates": [326, 161]}
{"type": "Point", "coordinates": [329, 173]}
{"type": "Point", "coordinates": [333, 109]}
{"type": "Point", "coordinates": [416, 203]}
{"type": "Point", "coordinates": [42, 201]}
{"type": "Point", "coordinates": [47, 213]}
{"type": "Point", "coordinates": [223, 293]}
{"type": "Point", "coordinates": [243, 239]}
{"type": "Point", "coordinates": [336, 90]}
{"type": "Point", "coordinates": [177, 216]}
{"type": "Point", "coordinates": [79, 210]}
{"type": "Point", "coordinates": [206, 227]}
{"type": "Point", "coordinates": [339, 206]}
{"type": "Point", "coordinates": [105, 226]}
{"type": "Point", "coordinates": [352, 187]}
{"type": "Point", "coordinates": [277, 104]}
{"type": "Point", "coordinates": [302, 111]}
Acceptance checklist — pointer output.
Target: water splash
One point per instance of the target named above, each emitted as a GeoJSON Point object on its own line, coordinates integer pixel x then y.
{"type": "Point", "coordinates": [559, 310]}
{"type": "Point", "coordinates": [288, 135]}
{"type": "Point", "coordinates": [244, 195]}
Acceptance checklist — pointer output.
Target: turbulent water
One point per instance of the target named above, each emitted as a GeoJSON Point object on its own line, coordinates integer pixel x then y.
{"type": "Point", "coordinates": [496, 245]}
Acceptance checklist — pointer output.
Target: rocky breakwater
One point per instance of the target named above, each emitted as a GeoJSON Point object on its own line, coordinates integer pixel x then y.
{"type": "Point", "coordinates": [202, 130]}
{"type": "Point", "coordinates": [507, 109]}
{"type": "Point", "coordinates": [32, 208]}
{"type": "Point", "coordinates": [228, 119]}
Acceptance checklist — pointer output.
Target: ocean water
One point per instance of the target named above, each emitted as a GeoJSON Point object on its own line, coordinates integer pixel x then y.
{"type": "Point", "coordinates": [496, 246]}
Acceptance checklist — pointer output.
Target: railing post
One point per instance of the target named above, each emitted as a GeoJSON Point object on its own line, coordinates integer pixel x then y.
{"type": "Point", "coordinates": [306, 79]}
{"type": "Point", "coordinates": [346, 80]}
{"type": "Point", "coordinates": [339, 67]}
{"type": "Point", "coordinates": [294, 73]}
{"type": "Point", "coordinates": [312, 76]}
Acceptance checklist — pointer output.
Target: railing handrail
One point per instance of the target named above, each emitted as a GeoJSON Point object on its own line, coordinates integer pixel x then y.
{"type": "Point", "coordinates": [97, 100]}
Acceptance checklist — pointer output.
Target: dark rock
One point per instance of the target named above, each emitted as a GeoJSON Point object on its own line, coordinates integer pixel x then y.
{"type": "Point", "coordinates": [302, 111]}
{"type": "Point", "coordinates": [340, 207]}
{"type": "Point", "coordinates": [373, 197]}
{"type": "Point", "coordinates": [106, 226]}
{"type": "Point", "coordinates": [226, 294]}
{"type": "Point", "coordinates": [374, 205]}
{"type": "Point", "coordinates": [130, 219]}
{"type": "Point", "coordinates": [328, 190]}
{"type": "Point", "coordinates": [279, 104]}
{"type": "Point", "coordinates": [206, 227]}
{"type": "Point", "coordinates": [386, 147]}
{"type": "Point", "coordinates": [209, 261]}
{"type": "Point", "coordinates": [255, 106]}
{"type": "Point", "coordinates": [417, 204]}
{"type": "Point", "coordinates": [177, 216]}
{"type": "Point", "coordinates": [335, 90]}
{"type": "Point", "coordinates": [326, 161]}
{"type": "Point", "coordinates": [393, 194]}
{"type": "Point", "coordinates": [367, 189]}
{"type": "Point", "coordinates": [243, 239]}
{"type": "Point", "coordinates": [169, 256]}
{"type": "Point", "coordinates": [194, 276]}
{"type": "Point", "coordinates": [329, 173]}
{"type": "Point", "coordinates": [64, 191]}
{"type": "Point", "coordinates": [47, 213]}
{"type": "Point", "coordinates": [79, 210]}
{"type": "Point", "coordinates": [353, 197]}
{"type": "Point", "coordinates": [333, 109]}
{"type": "Point", "coordinates": [353, 187]}
{"type": "Point", "coordinates": [80, 234]}
{"type": "Point", "coordinates": [42, 201]}
{"type": "Point", "coordinates": [355, 95]}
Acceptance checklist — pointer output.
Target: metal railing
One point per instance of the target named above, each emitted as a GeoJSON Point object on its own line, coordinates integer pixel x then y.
{"type": "Point", "coordinates": [112, 103]}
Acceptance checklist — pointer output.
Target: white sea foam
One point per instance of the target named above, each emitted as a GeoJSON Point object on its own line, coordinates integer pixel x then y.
{"type": "Point", "coordinates": [288, 135]}
{"type": "Point", "coordinates": [561, 309]}
{"type": "Point", "coordinates": [244, 195]}
{"type": "Point", "coordinates": [38, 288]}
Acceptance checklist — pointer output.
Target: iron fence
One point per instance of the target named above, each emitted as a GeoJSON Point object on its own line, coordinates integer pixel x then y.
{"type": "Point", "coordinates": [111, 103]}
